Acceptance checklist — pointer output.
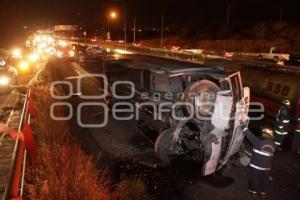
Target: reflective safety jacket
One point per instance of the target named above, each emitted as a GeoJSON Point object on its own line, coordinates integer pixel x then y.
{"type": "Point", "coordinates": [282, 121]}
{"type": "Point", "coordinates": [262, 152]}
{"type": "Point", "coordinates": [297, 129]}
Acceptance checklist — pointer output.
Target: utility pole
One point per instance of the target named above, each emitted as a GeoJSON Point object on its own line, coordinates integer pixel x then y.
{"type": "Point", "coordinates": [228, 14]}
{"type": "Point", "coordinates": [134, 29]}
{"type": "Point", "coordinates": [162, 32]}
{"type": "Point", "coordinates": [125, 26]}
{"type": "Point", "coordinates": [281, 15]}
{"type": "Point", "coordinates": [108, 32]}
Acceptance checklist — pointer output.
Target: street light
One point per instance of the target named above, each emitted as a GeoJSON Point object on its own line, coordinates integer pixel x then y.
{"type": "Point", "coordinates": [111, 15]}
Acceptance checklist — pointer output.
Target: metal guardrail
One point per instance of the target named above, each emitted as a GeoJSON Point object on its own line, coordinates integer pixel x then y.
{"type": "Point", "coordinates": [16, 182]}
{"type": "Point", "coordinates": [203, 58]}
{"type": "Point", "coordinates": [16, 174]}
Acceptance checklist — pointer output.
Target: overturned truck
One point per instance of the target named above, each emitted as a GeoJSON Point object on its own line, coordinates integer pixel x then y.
{"type": "Point", "coordinates": [194, 109]}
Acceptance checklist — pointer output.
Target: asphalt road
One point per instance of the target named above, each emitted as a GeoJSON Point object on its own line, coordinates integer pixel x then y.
{"type": "Point", "coordinates": [126, 150]}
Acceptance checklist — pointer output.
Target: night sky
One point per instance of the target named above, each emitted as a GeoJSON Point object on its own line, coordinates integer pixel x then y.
{"type": "Point", "coordinates": [15, 14]}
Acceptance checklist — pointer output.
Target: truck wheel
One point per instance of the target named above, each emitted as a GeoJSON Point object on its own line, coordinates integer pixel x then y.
{"type": "Point", "coordinates": [276, 58]}
{"type": "Point", "coordinates": [201, 95]}
{"type": "Point", "coordinates": [162, 144]}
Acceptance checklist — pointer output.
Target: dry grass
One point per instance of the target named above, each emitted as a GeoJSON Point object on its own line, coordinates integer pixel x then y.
{"type": "Point", "coordinates": [63, 171]}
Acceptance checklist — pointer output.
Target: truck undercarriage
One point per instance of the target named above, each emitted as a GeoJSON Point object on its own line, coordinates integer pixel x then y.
{"type": "Point", "coordinates": [194, 110]}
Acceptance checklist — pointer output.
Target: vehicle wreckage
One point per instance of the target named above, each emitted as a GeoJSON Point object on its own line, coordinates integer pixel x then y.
{"type": "Point", "coordinates": [209, 104]}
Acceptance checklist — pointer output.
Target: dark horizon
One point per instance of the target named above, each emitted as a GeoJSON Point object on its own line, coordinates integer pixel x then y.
{"type": "Point", "coordinates": [14, 15]}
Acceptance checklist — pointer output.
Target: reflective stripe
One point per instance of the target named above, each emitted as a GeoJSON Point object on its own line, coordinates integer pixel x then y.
{"type": "Point", "coordinates": [285, 121]}
{"type": "Point", "coordinates": [263, 153]}
{"type": "Point", "coordinates": [281, 133]}
{"type": "Point", "coordinates": [280, 127]}
{"type": "Point", "coordinates": [245, 129]}
{"type": "Point", "coordinates": [277, 143]}
{"type": "Point", "coordinates": [251, 191]}
{"type": "Point", "coordinates": [259, 168]}
{"type": "Point", "coordinates": [247, 153]}
{"type": "Point", "coordinates": [298, 130]}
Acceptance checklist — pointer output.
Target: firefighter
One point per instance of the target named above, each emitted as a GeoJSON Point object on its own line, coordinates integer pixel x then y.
{"type": "Point", "coordinates": [296, 139]}
{"type": "Point", "coordinates": [282, 123]}
{"type": "Point", "coordinates": [261, 160]}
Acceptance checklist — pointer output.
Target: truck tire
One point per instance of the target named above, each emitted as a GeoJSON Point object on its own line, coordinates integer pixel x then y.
{"type": "Point", "coordinates": [161, 145]}
{"type": "Point", "coordinates": [208, 91]}
{"type": "Point", "coordinates": [276, 58]}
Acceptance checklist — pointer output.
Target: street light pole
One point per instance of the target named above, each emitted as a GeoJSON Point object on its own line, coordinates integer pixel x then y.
{"type": "Point", "coordinates": [134, 29]}
{"type": "Point", "coordinates": [107, 23]}
{"type": "Point", "coordinates": [162, 32]}
{"type": "Point", "coordinates": [281, 15]}
{"type": "Point", "coordinates": [228, 14]}
{"type": "Point", "coordinates": [110, 15]}
{"type": "Point", "coordinates": [108, 32]}
{"type": "Point", "coordinates": [125, 26]}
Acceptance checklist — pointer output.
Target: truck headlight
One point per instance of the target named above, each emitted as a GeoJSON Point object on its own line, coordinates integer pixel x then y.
{"type": "Point", "coordinates": [59, 54]}
{"type": "Point", "coordinates": [4, 80]}
{"type": "Point", "coordinates": [204, 102]}
{"type": "Point", "coordinates": [17, 53]}
{"type": "Point", "coordinates": [71, 53]}
{"type": "Point", "coordinates": [34, 57]}
{"type": "Point", "coordinates": [24, 65]}
{"type": "Point", "coordinates": [2, 62]}
{"type": "Point", "coordinates": [201, 95]}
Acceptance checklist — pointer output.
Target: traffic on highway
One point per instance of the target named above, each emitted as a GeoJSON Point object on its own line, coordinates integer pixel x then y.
{"type": "Point", "coordinates": [119, 104]}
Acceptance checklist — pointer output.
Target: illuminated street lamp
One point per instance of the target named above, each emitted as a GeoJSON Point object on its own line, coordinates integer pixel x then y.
{"type": "Point", "coordinates": [111, 15]}
{"type": "Point", "coordinates": [17, 53]}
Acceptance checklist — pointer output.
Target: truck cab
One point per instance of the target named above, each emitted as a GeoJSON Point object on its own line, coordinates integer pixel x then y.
{"type": "Point", "coordinates": [194, 109]}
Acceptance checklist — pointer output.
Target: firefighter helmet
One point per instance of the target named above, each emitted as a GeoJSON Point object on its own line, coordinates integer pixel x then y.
{"type": "Point", "coordinates": [286, 102]}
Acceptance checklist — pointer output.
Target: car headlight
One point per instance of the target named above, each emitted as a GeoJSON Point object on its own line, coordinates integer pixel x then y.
{"type": "Point", "coordinates": [24, 65]}
{"type": "Point", "coordinates": [71, 53]}
{"type": "Point", "coordinates": [62, 43]}
{"type": "Point", "coordinates": [17, 53]}
{"type": "Point", "coordinates": [2, 62]}
{"type": "Point", "coordinates": [4, 80]}
{"type": "Point", "coordinates": [59, 54]}
{"type": "Point", "coordinates": [34, 57]}
{"type": "Point", "coordinates": [201, 96]}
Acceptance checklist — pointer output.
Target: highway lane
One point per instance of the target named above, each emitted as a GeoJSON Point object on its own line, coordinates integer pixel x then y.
{"type": "Point", "coordinates": [214, 60]}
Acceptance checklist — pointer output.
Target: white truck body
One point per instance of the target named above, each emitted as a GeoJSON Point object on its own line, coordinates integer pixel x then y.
{"type": "Point", "coordinates": [274, 55]}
